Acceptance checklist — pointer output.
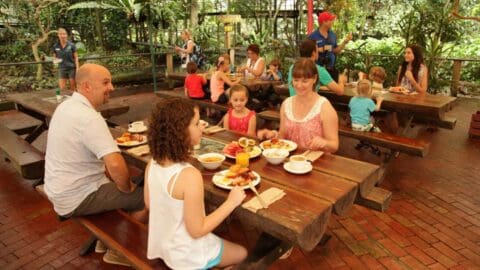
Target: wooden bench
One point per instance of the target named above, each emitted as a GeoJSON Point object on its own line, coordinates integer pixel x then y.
{"type": "Point", "coordinates": [393, 142]}
{"type": "Point", "coordinates": [19, 122]}
{"type": "Point", "coordinates": [118, 231]}
{"type": "Point", "coordinates": [27, 160]}
{"type": "Point", "coordinates": [203, 103]}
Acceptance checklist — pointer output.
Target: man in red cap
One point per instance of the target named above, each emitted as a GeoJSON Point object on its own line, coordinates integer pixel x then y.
{"type": "Point", "coordinates": [327, 43]}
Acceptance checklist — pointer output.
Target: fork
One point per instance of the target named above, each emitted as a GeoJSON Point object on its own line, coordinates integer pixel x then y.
{"type": "Point", "coordinates": [262, 202]}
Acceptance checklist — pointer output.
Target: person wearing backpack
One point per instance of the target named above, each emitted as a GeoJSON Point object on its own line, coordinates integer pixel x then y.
{"type": "Point", "coordinates": [187, 49]}
{"type": "Point", "coordinates": [190, 52]}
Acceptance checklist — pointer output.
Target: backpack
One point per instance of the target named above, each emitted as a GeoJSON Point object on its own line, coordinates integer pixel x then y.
{"type": "Point", "coordinates": [198, 56]}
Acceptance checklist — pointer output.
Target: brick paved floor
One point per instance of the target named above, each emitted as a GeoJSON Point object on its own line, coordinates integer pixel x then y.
{"type": "Point", "coordinates": [433, 220]}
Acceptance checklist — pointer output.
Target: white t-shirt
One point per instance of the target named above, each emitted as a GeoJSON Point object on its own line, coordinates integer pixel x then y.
{"type": "Point", "coordinates": [78, 139]}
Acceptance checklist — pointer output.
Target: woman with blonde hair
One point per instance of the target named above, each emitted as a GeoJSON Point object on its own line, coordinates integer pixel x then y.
{"type": "Point", "coordinates": [187, 49]}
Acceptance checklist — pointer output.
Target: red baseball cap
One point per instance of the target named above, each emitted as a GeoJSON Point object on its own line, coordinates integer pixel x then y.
{"type": "Point", "coordinates": [326, 16]}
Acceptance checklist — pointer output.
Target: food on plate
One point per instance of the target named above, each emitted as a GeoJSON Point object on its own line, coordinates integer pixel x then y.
{"type": "Point", "coordinates": [238, 176]}
{"type": "Point", "coordinates": [276, 143]}
{"type": "Point", "coordinates": [128, 137]}
{"type": "Point", "coordinates": [246, 142]}
{"type": "Point", "coordinates": [243, 144]}
{"type": "Point", "coordinates": [399, 89]}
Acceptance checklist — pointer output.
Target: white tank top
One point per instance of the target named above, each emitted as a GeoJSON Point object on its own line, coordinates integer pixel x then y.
{"type": "Point", "coordinates": [168, 237]}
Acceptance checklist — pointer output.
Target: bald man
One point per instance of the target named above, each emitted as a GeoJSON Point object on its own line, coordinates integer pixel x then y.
{"type": "Point", "coordinates": [81, 153]}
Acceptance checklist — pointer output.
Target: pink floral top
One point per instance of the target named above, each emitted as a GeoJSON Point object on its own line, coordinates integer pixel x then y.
{"type": "Point", "coordinates": [302, 131]}
{"type": "Point", "coordinates": [239, 124]}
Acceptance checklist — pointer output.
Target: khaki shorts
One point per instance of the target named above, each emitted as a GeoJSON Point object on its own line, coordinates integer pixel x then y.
{"type": "Point", "coordinates": [107, 198]}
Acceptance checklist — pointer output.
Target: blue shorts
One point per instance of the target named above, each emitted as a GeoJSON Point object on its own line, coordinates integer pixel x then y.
{"type": "Point", "coordinates": [67, 73]}
{"type": "Point", "coordinates": [215, 261]}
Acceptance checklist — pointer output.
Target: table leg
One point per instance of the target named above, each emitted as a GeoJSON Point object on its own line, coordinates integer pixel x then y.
{"type": "Point", "coordinates": [266, 251]}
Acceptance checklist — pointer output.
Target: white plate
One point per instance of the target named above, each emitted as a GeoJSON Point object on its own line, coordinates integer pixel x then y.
{"type": "Point", "coordinates": [288, 167]}
{"type": "Point", "coordinates": [133, 143]}
{"type": "Point", "coordinates": [256, 151]}
{"type": "Point", "coordinates": [219, 176]}
{"type": "Point", "coordinates": [138, 130]}
{"type": "Point", "coordinates": [292, 145]}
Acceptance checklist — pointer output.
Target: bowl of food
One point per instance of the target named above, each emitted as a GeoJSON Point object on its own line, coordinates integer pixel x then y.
{"type": "Point", "coordinates": [211, 161]}
{"type": "Point", "coordinates": [275, 156]}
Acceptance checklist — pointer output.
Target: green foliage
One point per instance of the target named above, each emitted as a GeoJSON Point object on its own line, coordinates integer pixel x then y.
{"type": "Point", "coordinates": [116, 28]}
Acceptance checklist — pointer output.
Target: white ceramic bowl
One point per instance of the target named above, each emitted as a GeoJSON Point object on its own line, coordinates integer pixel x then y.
{"type": "Point", "coordinates": [211, 165]}
{"type": "Point", "coordinates": [275, 156]}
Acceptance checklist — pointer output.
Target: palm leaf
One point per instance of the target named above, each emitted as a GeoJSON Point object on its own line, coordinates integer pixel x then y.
{"type": "Point", "coordinates": [93, 5]}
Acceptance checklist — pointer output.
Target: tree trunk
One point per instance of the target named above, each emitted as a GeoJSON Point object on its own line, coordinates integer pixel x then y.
{"type": "Point", "coordinates": [35, 46]}
{"type": "Point", "coordinates": [193, 14]}
{"type": "Point", "coordinates": [98, 29]}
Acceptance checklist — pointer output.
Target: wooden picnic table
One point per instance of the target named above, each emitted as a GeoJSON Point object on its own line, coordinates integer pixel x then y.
{"type": "Point", "coordinates": [421, 106]}
{"type": "Point", "coordinates": [300, 218]}
{"type": "Point", "coordinates": [253, 84]}
{"type": "Point", "coordinates": [42, 104]}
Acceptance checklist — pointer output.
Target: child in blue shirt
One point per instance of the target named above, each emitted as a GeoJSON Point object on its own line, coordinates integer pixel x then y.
{"type": "Point", "coordinates": [362, 106]}
{"type": "Point", "coordinates": [273, 72]}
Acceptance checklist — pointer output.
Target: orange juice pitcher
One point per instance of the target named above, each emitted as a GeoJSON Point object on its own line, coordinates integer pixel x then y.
{"type": "Point", "coordinates": [242, 158]}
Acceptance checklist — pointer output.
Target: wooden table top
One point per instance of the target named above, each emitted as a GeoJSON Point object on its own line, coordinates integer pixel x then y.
{"type": "Point", "coordinates": [299, 218]}
{"type": "Point", "coordinates": [253, 84]}
{"type": "Point", "coordinates": [44, 102]}
{"type": "Point", "coordinates": [427, 105]}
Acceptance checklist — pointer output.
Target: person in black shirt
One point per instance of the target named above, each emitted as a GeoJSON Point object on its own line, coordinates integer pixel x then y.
{"type": "Point", "coordinates": [65, 55]}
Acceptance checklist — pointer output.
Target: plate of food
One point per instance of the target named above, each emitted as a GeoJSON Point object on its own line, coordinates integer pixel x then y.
{"type": "Point", "coordinates": [399, 89]}
{"type": "Point", "coordinates": [236, 176]}
{"type": "Point", "coordinates": [128, 139]}
{"type": "Point", "coordinates": [278, 144]}
{"type": "Point", "coordinates": [243, 144]}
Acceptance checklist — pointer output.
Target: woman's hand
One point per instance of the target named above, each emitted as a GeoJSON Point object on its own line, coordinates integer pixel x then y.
{"type": "Point", "coordinates": [409, 75]}
{"type": "Point", "coordinates": [318, 143]}
{"type": "Point", "coordinates": [266, 134]}
{"type": "Point", "coordinates": [178, 49]}
{"type": "Point", "coordinates": [236, 196]}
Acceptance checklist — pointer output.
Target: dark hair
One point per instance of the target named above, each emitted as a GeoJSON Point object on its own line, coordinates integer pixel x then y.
{"type": "Point", "coordinates": [417, 62]}
{"type": "Point", "coordinates": [275, 62]}
{"type": "Point", "coordinates": [191, 67]}
{"type": "Point", "coordinates": [307, 47]}
{"type": "Point", "coordinates": [305, 68]}
{"type": "Point", "coordinates": [254, 48]}
{"type": "Point", "coordinates": [238, 88]}
{"type": "Point", "coordinates": [168, 136]}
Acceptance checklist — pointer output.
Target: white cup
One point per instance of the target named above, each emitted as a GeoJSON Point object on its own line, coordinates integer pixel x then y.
{"type": "Point", "coordinates": [298, 162]}
{"type": "Point", "coordinates": [137, 125]}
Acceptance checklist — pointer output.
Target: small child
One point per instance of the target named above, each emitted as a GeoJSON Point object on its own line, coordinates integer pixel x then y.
{"type": "Point", "coordinates": [362, 106]}
{"type": "Point", "coordinates": [273, 72]}
{"type": "Point", "coordinates": [239, 118]}
{"type": "Point", "coordinates": [194, 83]}
{"type": "Point", "coordinates": [377, 75]}
{"type": "Point", "coordinates": [219, 79]}
{"type": "Point", "coordinates": [179, 231]}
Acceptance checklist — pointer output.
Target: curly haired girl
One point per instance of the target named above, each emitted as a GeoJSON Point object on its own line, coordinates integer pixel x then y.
{"type": "Point", "coordinates": [179, 231]}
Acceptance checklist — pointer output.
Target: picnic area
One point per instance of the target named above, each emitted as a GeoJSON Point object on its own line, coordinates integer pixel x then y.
{"type": "Point", "coordinates": [232, 135]}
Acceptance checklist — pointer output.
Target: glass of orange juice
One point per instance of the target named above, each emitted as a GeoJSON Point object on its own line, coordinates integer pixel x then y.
{"type": "Point", "coordinates": [242, 158]}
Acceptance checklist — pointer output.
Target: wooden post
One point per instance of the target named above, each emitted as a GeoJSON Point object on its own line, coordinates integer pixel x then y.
{"type": "Point", "coordinates": [456, 72]}
{"type": "Point", "coordinates": [169, 69]}
{"type": "Point", "coordinates": [169, 62]}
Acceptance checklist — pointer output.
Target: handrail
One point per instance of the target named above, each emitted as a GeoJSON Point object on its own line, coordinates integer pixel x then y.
{"type": "Point", "coordinates": [397, 56]}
